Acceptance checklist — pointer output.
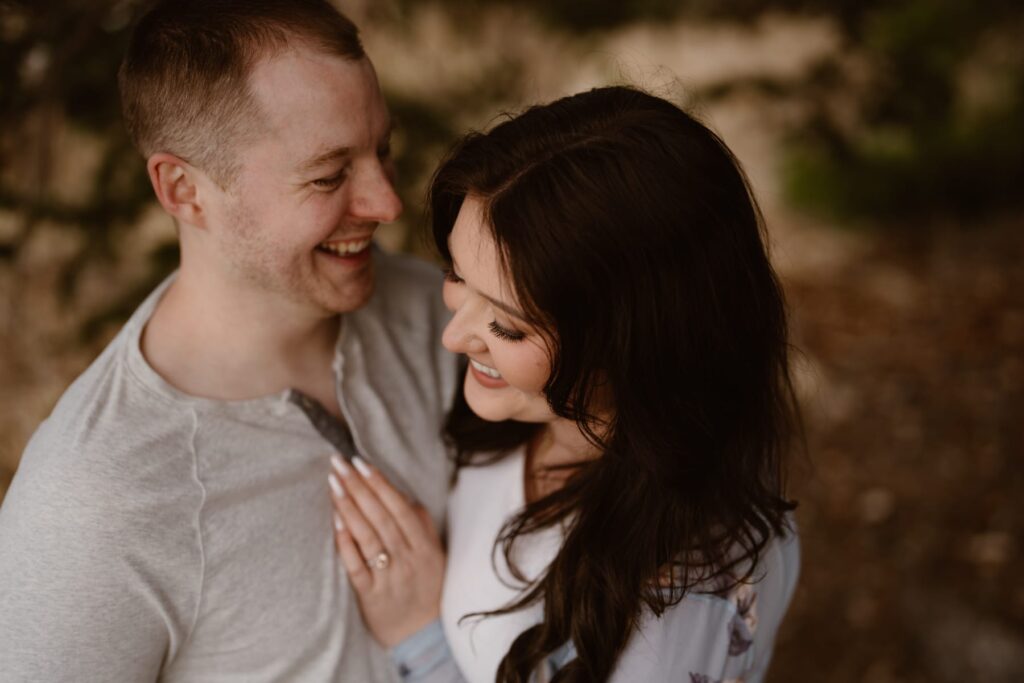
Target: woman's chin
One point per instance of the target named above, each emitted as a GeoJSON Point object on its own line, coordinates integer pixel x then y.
{"type": "Point", "coordinates": [488, 410]}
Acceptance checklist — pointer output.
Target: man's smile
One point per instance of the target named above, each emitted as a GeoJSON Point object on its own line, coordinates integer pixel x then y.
{"type": "Point", "coordinates": [350, 247]}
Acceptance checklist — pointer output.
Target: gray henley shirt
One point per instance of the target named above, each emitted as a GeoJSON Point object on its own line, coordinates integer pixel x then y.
{"type": "Point", "coordinates": [150, 535]}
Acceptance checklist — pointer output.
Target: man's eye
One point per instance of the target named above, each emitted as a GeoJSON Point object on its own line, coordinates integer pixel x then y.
{"type": "Point", "coordinates": [384, 151]}
{"type": "Point", "coordinates": [331, 182]}
{"type": "Point", "coordinates": [450, 276]}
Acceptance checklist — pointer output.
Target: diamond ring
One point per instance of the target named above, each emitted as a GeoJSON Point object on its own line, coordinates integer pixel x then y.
{"type": "Point", "coordinates": [381, 561]}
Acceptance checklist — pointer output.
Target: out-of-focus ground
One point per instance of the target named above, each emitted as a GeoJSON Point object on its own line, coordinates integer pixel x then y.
{"type": "Point", "coordinates": [909, 362]}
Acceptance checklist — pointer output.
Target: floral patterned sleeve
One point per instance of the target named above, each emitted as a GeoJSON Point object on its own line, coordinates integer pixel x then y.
{"type": "Point", "coordinates": [425, 657]}
{"type": "Point", "coordinates": [716, 638]}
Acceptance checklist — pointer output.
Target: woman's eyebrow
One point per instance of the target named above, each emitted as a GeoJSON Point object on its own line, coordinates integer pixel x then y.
{"type": "Point", "coordinates": [499, 304]}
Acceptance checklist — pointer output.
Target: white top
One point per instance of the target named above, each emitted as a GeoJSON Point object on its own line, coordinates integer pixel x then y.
{"type": "Point", "coordinates": [708, 638]}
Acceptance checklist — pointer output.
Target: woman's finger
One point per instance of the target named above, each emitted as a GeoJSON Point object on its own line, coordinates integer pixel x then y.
{"type": "Point", "coordinates": [373, 510]}
{"type": "Point", "coordinates": [355, 523]}
{"type": "Point", "coordinates": [351, 559]}
{"type": "Point", "coordinates": [402, 511]}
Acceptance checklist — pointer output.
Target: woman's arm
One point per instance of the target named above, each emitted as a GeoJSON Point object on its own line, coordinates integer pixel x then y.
{"type": "Point", "coordinates": [717, 637]}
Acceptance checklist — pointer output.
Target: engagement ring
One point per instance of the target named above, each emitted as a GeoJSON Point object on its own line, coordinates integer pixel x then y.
{"type": "Point", "coordinates": [381, 561]}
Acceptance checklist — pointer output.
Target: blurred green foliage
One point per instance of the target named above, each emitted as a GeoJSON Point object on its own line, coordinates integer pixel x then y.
{"type": "Point", "coordinates": [909, 145]}
{"type": "Point", "coordinates": [573, 16]}
{"type": "Point", "coordinates": [59, 63]}
{"type": "Point", "coordinates": [936, 126]}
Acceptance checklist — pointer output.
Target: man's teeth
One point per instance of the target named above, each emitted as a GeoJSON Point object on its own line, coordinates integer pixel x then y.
{"type": "Point", "coordinates": [345, 248]}
{"type": "Point", "coordinates": [490, 372]}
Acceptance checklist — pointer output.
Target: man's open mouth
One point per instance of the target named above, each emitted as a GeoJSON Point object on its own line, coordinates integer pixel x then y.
{"type": "Point", "coordinates": [345, 247]}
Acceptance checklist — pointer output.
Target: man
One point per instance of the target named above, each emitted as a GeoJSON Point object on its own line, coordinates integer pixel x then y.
{"type": "Point", "coordinates": [170, 520]}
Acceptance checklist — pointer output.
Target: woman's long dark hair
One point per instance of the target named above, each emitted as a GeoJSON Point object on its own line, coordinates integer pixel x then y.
{"type": "Point", "coordinates": [631, 237]}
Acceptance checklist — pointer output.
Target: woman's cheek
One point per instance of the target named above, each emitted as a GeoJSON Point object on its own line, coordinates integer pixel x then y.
{"type": "Point", "coordinates": [526, 368]}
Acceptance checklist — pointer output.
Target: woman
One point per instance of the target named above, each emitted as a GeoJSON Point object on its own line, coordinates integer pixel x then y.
{"type": "Point", "coordinates": [618, 512]}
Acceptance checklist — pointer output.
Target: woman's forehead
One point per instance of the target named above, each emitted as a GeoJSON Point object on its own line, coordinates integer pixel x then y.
{"type": "Point", "coordinates": [470, 241]}
{"type": "Point", "coordinates": [475, 254]}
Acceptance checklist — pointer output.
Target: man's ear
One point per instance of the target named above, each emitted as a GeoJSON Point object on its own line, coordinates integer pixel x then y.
{"type": "Point", "coordinates": [174, 181]}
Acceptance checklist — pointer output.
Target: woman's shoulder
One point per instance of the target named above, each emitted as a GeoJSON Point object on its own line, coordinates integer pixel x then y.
{"type": "Point", "coordinates": [718, 635]}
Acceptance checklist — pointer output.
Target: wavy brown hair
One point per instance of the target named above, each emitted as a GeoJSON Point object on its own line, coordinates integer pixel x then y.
{"type": "Point", "coordinates": [630, 236]}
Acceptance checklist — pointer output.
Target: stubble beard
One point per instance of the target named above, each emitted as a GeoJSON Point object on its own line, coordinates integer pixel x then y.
{"type": "Point", "coordinates": [251, 252]}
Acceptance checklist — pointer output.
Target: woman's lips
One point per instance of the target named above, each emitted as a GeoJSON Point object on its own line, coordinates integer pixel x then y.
{"type": "Point", "coordinates": [483, 378]}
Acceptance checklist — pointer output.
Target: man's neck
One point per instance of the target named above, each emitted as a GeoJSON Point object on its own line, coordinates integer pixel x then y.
{"type": "Point", "coordinates": [224, 343]}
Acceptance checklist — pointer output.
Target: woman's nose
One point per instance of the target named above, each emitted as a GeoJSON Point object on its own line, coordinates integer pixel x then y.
{"type": "Point", "coordinates": [458, 337]}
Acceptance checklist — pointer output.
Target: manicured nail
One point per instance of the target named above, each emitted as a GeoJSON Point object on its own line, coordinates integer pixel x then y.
{"type": "Point", "coordinates": [335, 486]}
{"type": "Point", "coordinates": [338, 526]}
{"type": "Point", "coordinates": [340, 466]}
{"type": "Point", "coordinates": [361, 465]}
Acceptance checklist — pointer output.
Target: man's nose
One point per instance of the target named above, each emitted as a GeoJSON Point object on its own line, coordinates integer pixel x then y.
{"type": "Point", "coordinates": [374, 197]}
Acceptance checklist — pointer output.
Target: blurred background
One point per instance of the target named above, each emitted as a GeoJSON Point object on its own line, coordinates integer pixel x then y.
{"type": "Point", "coordinates": [885, 141]}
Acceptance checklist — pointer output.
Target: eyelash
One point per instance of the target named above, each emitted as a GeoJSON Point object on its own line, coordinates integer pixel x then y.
{"type": "Point", "coordinates": [497, 330]}
{"type": "Point", "coordinates": [331, 182]}
{"type": "Point", "coordinates": [505, 334]}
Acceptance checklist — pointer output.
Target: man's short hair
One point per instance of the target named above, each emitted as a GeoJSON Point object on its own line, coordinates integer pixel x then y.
{"type": "Point", "coordinates": [184, 80]}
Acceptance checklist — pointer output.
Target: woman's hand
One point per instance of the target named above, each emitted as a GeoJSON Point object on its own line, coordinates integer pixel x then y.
{"type": "Point", "coordinates": [390, 550]}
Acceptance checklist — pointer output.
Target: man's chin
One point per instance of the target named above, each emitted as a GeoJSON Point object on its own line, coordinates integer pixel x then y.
{"type": "Point", "coordinates": [350, 299]}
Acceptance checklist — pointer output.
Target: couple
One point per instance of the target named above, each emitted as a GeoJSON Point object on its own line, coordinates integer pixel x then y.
{"type": "Point", "coordinates": [617, 438]}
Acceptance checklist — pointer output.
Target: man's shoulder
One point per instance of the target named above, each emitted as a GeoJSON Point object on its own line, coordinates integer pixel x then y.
{"type": "Point", "coordinates": [106, 429]}
{"type": "Point", "coordinates": [109, 398]}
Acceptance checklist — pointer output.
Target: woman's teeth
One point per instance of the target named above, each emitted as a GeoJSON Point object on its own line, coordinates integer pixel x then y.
{"type": "Point", "coordinates": [345, 248]}
{"type": "Point", "coordinates": [490, 372]}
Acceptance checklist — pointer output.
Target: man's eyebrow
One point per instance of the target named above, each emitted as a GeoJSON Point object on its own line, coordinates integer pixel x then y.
{"type": "Point", "coordinates": [338, 153]}
{"type": "Point", "coordinates": [322, 159]}
{"type": "Point", "coordinates": [503, 306]}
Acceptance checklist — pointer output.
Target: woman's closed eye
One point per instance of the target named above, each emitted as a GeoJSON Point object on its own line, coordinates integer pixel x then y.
{"type": "Point", "coordinates": [505, 333]}
{"type": "Point", "coordinates": [496, 328]}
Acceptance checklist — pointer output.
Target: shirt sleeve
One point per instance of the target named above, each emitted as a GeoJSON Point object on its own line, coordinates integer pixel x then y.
{"type": "Point", "coordinates": [86, 578]}
{"type": "Point", "coordinates": [691, 641]}
{"type": "Point", "coordinates": [709, 638]}
{"type": "Point", "coordinates": [425, 657]}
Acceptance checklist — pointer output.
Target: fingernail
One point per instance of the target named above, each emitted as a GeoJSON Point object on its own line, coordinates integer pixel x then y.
{"type": "Point", "coordinates": [335, 485]}
{"type": "Point", "coordinates": [340, 466]}
{"type": "Point", "coordinates": [338, 526]}
{"type": "Point", "coordinates": [361, 465]}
